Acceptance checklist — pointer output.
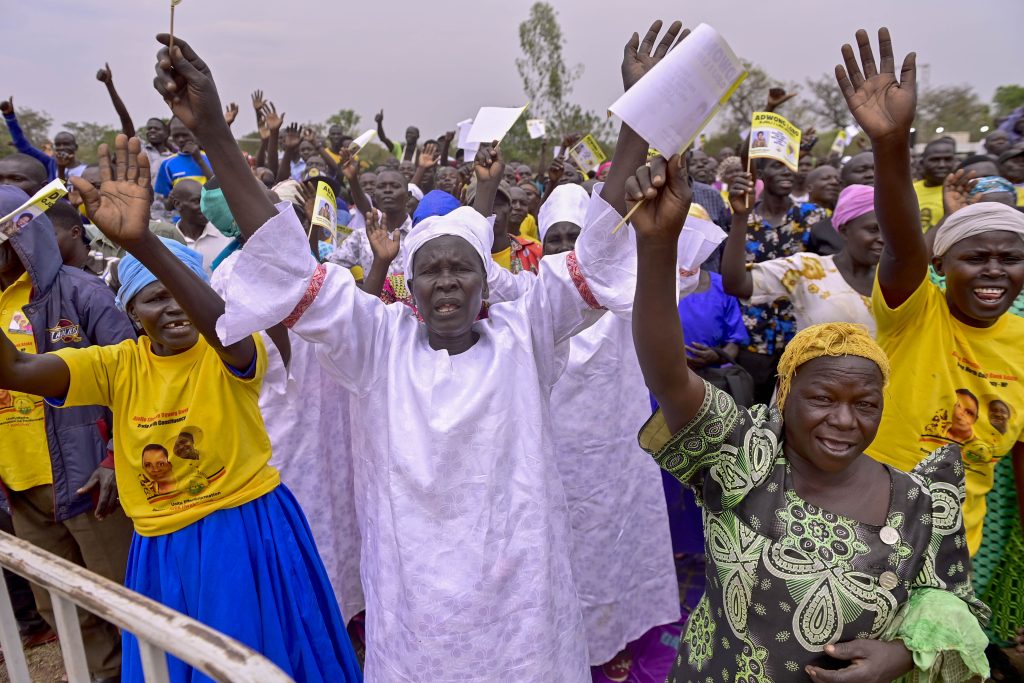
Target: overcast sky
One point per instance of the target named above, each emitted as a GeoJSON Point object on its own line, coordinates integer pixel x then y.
{"type": "Point", "coordinates": [434, 63]}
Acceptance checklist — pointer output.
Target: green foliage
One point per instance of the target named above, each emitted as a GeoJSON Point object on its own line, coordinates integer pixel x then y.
{"type": "Point", "coordinates": [1007, 98]}
{"type": "Point", "coordinates": [548, 83]}
{"type": "Point", "coordinates": [954, 107]}
{"type": "Point", "coordinates": [90, 136]}
{"type": "Point", "coordinates": [35, 124]}
{"type": "Point", "coordinates": [827, 102]}
{"type": "Point", "coordinates": [348, 120]}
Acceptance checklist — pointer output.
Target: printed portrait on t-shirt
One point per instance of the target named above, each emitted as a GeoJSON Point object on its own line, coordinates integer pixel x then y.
{"type": "Point", "coordinates": [169, 473]}
{"type": "Point", "coordinates": [976, 424]}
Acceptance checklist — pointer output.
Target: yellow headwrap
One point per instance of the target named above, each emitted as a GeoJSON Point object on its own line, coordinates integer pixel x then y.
{"type": "Point", "coordinates": [827, 339]}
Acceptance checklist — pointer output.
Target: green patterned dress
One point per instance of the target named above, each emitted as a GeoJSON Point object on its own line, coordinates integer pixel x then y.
{"type": "Point", "coordinates": [784, 577]}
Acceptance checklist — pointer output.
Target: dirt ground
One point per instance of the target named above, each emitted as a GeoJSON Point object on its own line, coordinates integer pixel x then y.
{"type": "Point", "coordinates": [45, 665]}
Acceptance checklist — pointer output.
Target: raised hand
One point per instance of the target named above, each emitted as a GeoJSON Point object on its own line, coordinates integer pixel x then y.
{"type": "Point", "coordinates": [379, 117]}
{"type": "Point", "coordinates": [429, 155]}
{"type": "Point", "coordinates": [489, 166]}
{"type": "Point", "coordinates": [348, 163]}
{"type": "Point", "coordinates": [105, 75]}
{"type": "Point", "coordinates": [741, 194]}
{"type": "Point", "coordinates": [664, 188]}
{"type": "Point", "coordinates": [7, 106]}
{"type": "Point", "coordinates": [956, 190]}
{"type": "Point", "coordinates": [384, 245]}
{"type": "Point", "coordinates": [120, 205]}
{"type": "Point", "coordinates": [273, 119]}
{"type": "Point", "coordinates": [257, 101]}
{"type": "Point", "coordinates": [309, 135]}
{"type": "Point", "coordinates": [882, 106]}
{"type": "Point", "coordinates": [186, 84]}
{"type": "Point", "coordinates": [808, 139]}
{"type": "Point", "coordinates": [449, 136]}
{"type": "Point", "coordinates": [292, 137]}
{"type": "Point", "coordinates": [777, 97]}
{"type": "Point", "coordinates": [639, 58]}
{"type": "Point", "coordinates": [230, 113]}
{"type": "Point", "coordinates": [556, 170]}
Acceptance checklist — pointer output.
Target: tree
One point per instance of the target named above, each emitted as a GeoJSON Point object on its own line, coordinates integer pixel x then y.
{"type": "Point", "coordinates": [35, 124]}
{"type": "Point", "coordinates": [827, 101]}
{"type": "Point", "coordinates": [548, 82]}
{"type": "Point", "coordinates": [348, 120]}
{"type": "Point", "coordinates": [1006, 99]}
{"type": "Point", "coordinates": [953, 107]}
{"type": "Point", "coordinates": [89, 137]}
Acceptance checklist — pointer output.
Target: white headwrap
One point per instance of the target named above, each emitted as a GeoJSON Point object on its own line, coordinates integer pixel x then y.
{"type": "Point", "coordinates": [567, 203]}
{"type": "Point", "coordinates": [465, 222]}
{"type": "Point", "coordinates": [977, 219]}
{"type": "Point", "coordinates": [416, 192]}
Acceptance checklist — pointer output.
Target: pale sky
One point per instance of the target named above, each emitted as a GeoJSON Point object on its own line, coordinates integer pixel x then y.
{"type": "Point", "coordinates": [434, 63]}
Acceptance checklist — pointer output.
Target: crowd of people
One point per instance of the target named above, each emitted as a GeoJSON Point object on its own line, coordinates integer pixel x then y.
{"type": "Point", "coordinates": [419, 446]}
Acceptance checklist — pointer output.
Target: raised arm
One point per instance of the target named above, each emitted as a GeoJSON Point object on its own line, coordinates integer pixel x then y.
{"type": "Point", "coordinates": [120, 208]}
{"type": "Point", "coordinates": [390, 146]}
{"type": "Point", "coordinates": [21, 143]}
{"type": "Point", "coordinates": [350, 169]}
{"type": "Point", "coordinates": [186, 84]}
{"type": "Point", "coordinates": [292, 139]}
{"type": "Point", "coordinates": [445, 141]}
{"type": "Point", "coordinates": [41, 374]}
{"type": "Point", "coordinates": [631, 149]}
{"type": "Point", "coordinates": [665, 190]}
{"type": "Point", "coordinates": [736, 279]}
{"type": "Point", "coordinates": [489, 167]}
{"type": "Point", "coordinates": [385, 247]}
{"type": "Point", "coordinates": [884, 109]}
{"type": "Point", "coordinates": [106, 77]}
{"type": "Point", "coordinates": [428, 159]}
{"type": "Point", "coordinates": [274, 122]}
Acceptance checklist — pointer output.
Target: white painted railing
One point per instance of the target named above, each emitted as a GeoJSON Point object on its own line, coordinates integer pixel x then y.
{"type": "Point", "coordinates": [159, 629]}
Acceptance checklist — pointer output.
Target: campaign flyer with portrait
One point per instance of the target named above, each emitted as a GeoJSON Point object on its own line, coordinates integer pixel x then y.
{"type": "Point", "coordinates": [774, 137]}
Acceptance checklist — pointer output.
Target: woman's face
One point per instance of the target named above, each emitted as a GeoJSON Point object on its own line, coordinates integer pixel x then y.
{"type": "Point", "coordinates": [833, 411]}
{"type": "Point", "coordinates": [984, 274]}
{"type": "Point", "coordinates": [561, 237]}
{"type": "Point", "coordinates": [168, 327]}
{"type": "Point", "coordinates": [448, 285]}
{"type": "Point", "coordinates": [863, 239]}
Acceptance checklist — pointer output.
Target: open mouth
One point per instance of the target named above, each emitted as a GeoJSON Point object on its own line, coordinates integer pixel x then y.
{"type": "Point", "coordinates": [447, 308]}
{"type": "Point", "coordinates": [989, 295]}
{"type": "Point", "coordinates": [836, 448]}
{"type": "Point", "coordinates": [178, 325]}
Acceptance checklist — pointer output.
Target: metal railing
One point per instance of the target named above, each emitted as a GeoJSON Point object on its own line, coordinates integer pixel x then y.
{"type": "Point", "coordinates": [159, 629]}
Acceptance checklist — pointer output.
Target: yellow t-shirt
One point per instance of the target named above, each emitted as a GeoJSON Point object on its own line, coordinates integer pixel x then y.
{"type": "Point", "coordinates": [528, 228]}
{"type": "Point", "coordinates": [188, 435]}
{"type": "Point", "coordinates": [1020, 195]}
{"type": "Point", "coordinates": [929, 200]}
{"type": "Point", "coordinates": [24, 451]}
{"type": "Point", "coordinates": [951, 383]}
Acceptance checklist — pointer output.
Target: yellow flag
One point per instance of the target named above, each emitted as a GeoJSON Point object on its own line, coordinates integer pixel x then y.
{"type": "Point", "coordinates": [773, 137]}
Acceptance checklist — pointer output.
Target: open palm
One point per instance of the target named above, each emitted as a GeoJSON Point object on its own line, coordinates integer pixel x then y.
{"type": "Point", "coordinates": [120, 206]}
{"type": "Point", "coordinates": [639, 58]}
{"type": "Point", "coordinates": [881, 105]}
{"type": "Point", "coordinates": [383, 244]}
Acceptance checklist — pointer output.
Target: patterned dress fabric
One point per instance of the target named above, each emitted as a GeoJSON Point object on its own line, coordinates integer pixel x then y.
{"type": "Point", "coordinates": [785, 577]}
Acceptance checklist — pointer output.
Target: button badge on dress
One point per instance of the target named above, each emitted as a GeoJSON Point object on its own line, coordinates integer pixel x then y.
{"type": "Point", "coordinates": [889, 535]}
{"type": "Point", "coordinates": [888, 581]}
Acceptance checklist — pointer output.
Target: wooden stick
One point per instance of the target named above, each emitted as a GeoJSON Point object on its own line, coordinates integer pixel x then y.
{"type": "Point", "coordinates": [629, 214]}
{"type": "Point", "coordinates": [171, 46]}
{"type": "Point", "coordinates": [746, 199]}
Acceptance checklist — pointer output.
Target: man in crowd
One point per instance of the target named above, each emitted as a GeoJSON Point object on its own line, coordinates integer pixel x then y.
{"type": "Point", "coordinates": [859, 170]}
{"type": "Point", "coordinates": [200, 234]}
{"type": "Point", "coordinates": [937, 162]}
{"type": "Point", "coordinates": [190, 163]}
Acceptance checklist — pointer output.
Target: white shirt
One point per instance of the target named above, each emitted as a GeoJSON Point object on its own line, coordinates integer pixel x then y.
{"type": "Point", "coordinates": [816, 289]}
{"type": "Point", "coordinates": [209, 245]}
{"type": "Point", "coordinates": [465, 529]}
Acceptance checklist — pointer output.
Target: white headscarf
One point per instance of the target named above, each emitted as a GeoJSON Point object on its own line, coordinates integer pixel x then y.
{"type": "Point", "coordinates": [567, 203]}
{"type": "Point", "coordinates": [416, 192]}
{"type": "Point", "coordinates": [465, 222]}
{"type": "Point", "coordinates": [977, 219]}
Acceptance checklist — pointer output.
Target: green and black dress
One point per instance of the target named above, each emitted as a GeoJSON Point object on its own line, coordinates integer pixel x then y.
{"type": "Point", "coordinates": [785, 578]}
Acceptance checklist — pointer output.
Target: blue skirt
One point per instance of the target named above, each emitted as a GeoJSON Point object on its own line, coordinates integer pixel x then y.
{"type": "Point", "coordinates": [253, 573]}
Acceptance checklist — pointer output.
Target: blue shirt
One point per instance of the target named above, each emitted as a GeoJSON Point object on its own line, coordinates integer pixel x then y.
{"type": "Point", "coordinates": [22, 144]}
{"type": "Point", "coordinates": [712, 317]}
{"type": "Point", "coordinates": [176, 168]}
